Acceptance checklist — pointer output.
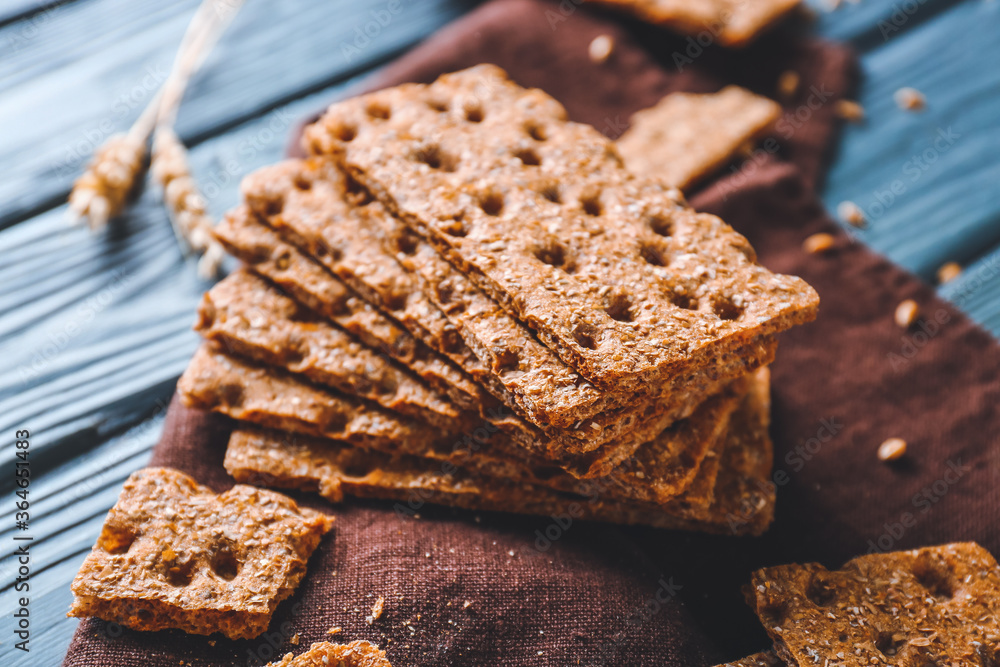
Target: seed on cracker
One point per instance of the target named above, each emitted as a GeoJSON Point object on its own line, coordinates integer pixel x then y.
{"type": "Point", "coordinates": [910, 99]}
{"type": "Point", "coordinates": [788, 84]}
{"type": "Point", "coordinates": [892, 449]}
{"type": "Point", "coordinates": [949, 272]}
{"type": "Point", "coordinates": [851, 213]}
{"type": "Point", "coordinates": [818, 243]}
{"type": "Point", "coordinates": [850, 110]}
{"type": "Point", "coordinates": [907, 313]}
{"type": "Point", "coordinates": [601, 48]}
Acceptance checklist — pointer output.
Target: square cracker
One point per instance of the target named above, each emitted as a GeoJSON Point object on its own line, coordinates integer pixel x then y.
{"type": "Point", "coordinates": [626, 283]}
{"type": "Point", "coordinates": [173, 554]}
{"type": "Point", "coordinates": [931, 606]}
{"type": "Point", "coordinates": [733, 23]}
{"type": "Point", "coordinates": [686, 136]}
{"type": "Point", "coordinates": [358, 653]}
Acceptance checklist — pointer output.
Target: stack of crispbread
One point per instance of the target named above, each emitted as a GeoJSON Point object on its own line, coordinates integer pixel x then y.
{"type": "Point", "coordinates": [461, 297]}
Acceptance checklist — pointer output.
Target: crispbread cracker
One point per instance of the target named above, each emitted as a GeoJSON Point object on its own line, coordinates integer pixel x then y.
{"type": "Point", "coordinates": [733, 23]}
{"type": "Point", "coordinates": [172, 554]}
{"type": "Point", "coordinates": [358, 653]}
{"type": "Point", "coordinates": [281, 263]}
{"type": "Point", "coordinates": [739, 506]}
{"type": "Point", "coordinates": [243, 390]}
{"type": "Point", "coordinates": [246, 315]}
{"type": "Point", "coordinates": [628, 285]}
{"type": "Point", "coordinates": [936, 605]}
{"type": "Point", "coordinates": [685, 136]}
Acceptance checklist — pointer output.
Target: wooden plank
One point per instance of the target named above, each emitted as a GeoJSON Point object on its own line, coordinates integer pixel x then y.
{"type": "Point", "coordinates": [942, 161]}
{"type": "Point", "coordinates": [873, 22]}
{"type": "Point", "coordinates": [977, 290]}
{"type": "Point", "coordinates": [273, 53]}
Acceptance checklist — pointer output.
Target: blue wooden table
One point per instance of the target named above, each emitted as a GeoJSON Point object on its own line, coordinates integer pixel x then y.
{"type": "Point", "coordinates": [95, 329]}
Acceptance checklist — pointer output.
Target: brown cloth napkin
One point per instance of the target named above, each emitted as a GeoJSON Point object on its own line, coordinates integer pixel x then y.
{"type": "Point", "coordinates": [478, 588]}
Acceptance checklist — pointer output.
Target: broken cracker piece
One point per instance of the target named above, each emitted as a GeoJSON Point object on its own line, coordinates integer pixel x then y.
{"type": "Point", "coordinates": [762, 659]}
{"type": "Point", "coordinates": [358, 653]}
{"type": "Point", "coordinates": [173, 554]}
{"type": "Point", "coordinates": [936, 605]}
{"type": "Point", "coordinates": [685, 136]}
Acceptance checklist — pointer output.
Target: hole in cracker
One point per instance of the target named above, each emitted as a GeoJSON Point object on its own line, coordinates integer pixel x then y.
{"type": "Point", "coordinates": [528, 157]}
{"type": "Point", "coordinates": [224, 562]}
{"type": "Point", "coordinates": [819, 591]}
{"type": "Point", "coordinates": [178, 573]}
{"type": "Point", "coordinates": [585, 334]}
{"type": "Point", "coordinates": [661, 225]}
{"type": "Point", "coordinates": [619, 307]}
{"type": "Point", "coordinates": [549, 190]}
{"type": "Point", "coordinates": [356, 467]}
{"type": "Point", "coordinates": [653, 254]}
{"type": "Point", "coordinates": [355, 193]}
{"type": "Point", "coordinates": [452, 341]}
{"type": "Point", "coordinates": [406, 242]}
{"type": "Point", "coordinates": [506, 360]}
{"type": "Point", "coordinates": [302, 183]}
{"type": "Point", "coordinates": [474, 113]}
{"type": "Point", "coordinates": [272, 207]}
{"type": "Point", "coordinates": [438, 105]}
{"type": "Point", "coordinates": [935, 576]}
{"type": "Point", "coordinates": [282, 261]}
{"type": "Point", "coordinates": [553, 254]}
{"type": "Point", "coordinates": [231, 395]}
{"type": "Point", "coordinates": [685, 301]}
{"type": "Point", "coordinates": [395, 300]}
{"type": "Point", "coordinates": [726, 309]}
{"type": "Point", "coordinates": [591, 203]}
{"type": "Point", "coordinates": [332, 420]}
{"type": "Point", "coordinates": [116, 539]}
{"type": "Point", "coordinates": [491, 202]}
{"type": "Point", "coordinates": [387, 384]}
{"type": "Point", "coordinates": [345, 131]}
{"type": "Point", "coordinates": [545, 473]}
{"type": "Point", "coordinates": [535, 131]}
{"type": "Point", "coordinates": [888, 644]}
{"type": "Point", "coordinates": [378, 109]}
{"type": "Point", "coordinates": [435, 158]}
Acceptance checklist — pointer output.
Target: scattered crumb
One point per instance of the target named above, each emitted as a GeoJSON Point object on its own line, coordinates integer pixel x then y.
{"type": "Point", "coordinates": [910, 99]}
{"type": "Point", "coordinates": [295, 639]}
{"type": "Point", "coordinates": [788, 84]}
{"type": "Point", "coordinates": [511, 553]}
{"type": "Point", "coordinates": [601, 48]}
{"type": "Point", "coordinates": [818, 243]}
{"type": "Point", "coordinates": [949, 272]}
{"type": "Point", "coordinates": [891, 449]}
{"type": "Point", "coordinates": [850, 110]}
{"type": "Point", "coordinates": [907, 313]}
{"type": "Point", "coordinates": [335, 630]}
{"type": "Point", "coordinates": [466, 604]}
{"type": "Point", "coordinates": [211, 642]}
{"type": "Point", "coordinates": [851, 213]}
{"type": "Point", "coordinates": [376, 610]}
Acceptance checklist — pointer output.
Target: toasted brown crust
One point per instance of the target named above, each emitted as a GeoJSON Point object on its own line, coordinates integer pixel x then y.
{"type": "Point", "coordinates": [172, 554]}
{"type": "Point", "coordinates": [333, 469]}
{"type": "Point", "coordinates": [936, 605]}
{"type": "Point", "coordinates": [281, 263]}
{"type": "Point", "coordinates": [762, 659]}
{"type": "Point", "coordinates": [246, 315]}
{"type": "Point", "coordinates": [733, 23]}
{"type": "Point", "coordinates": [628, 285]}
{"type": "Point", "coordinates": [243, 390]}
{"type": "Point", "coordinates": [685, 137]}
{"type": "Point", "coordinates": [358, 653]}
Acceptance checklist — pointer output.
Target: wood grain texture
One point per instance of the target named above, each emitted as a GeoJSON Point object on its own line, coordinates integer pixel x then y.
{"type": "Point", "coordinates": [94, 329]}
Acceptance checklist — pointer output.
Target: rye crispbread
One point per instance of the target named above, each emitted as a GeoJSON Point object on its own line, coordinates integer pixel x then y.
{"type": "Point", "coordinates": [310, 284]}
{"type": "Point", "coordinates": [358, 653]}
{"type": "Point", "coordinates": [733, 23]}
{"type": "Point", "coordinates": [762, 659]}
{"type": "Point", "coordinates": [243, 390]}
{"type": "Point", "coordinates": [173, 554]}
{"type": "Point", "coordinates": [248, 316]}
{"type": "Point", "coordinates": [686, 136]}
{"type": "Point", "coordinates": [313, 203]}
{"type": "Point", "coordinates": [931, 606]}
{"type": "Point", "coordinates": [333, 469]}
{"type": "Point", "coordinates": [628, 285]}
